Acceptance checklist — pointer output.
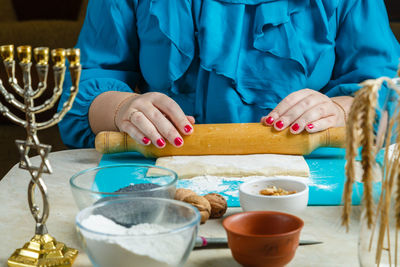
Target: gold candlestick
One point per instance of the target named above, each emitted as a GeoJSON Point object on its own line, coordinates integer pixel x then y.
{"type": "Point", "coordinates": [42, 249]}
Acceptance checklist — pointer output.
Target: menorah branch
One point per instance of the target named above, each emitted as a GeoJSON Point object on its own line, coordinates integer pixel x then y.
{"type": "Point", "coordinates": [26, 76]}
{"type": "Point", "coordinates": [11, 99]}
{"type": "Point", "coordinates": [42, 71]}
{"type": "Point", "coordinates": [75, 71]}
{"type": "Point", "coordinates": [59, 115]}
{"type": "Point", "coordinates": [10, 70]}
{"type": "Point", "coordinates": [59, 74]}
{"type": "Point", "coordinates": [7, 113]}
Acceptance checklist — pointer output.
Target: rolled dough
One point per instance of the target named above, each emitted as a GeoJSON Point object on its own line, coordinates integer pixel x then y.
{"type": "Point", "coordinates": [236, 166]}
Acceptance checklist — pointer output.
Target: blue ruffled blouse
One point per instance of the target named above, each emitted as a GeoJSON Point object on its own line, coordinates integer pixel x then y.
{"type": "Point", "coordinates": [227, 60]}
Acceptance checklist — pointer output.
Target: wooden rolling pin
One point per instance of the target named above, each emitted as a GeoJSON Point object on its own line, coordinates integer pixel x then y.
{"type": "Point", "coordinates": [228, 139]}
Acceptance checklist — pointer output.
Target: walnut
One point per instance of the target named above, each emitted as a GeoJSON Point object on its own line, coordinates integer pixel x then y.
{"type": "Point", "coordinates": [181, 193]}
{"type": "Point", "coordinates": [218, 205]}
{"type": "Point", "coordinates": [202, 204]}
{"type": "Point", "coordinates": [275, 191]}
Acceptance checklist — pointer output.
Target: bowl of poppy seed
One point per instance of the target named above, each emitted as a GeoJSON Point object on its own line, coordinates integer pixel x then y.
{"type": "Point", "coordinates": [108, 182]}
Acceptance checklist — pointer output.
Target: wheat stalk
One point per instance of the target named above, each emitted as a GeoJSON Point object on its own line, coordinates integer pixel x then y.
{"type": "Point", "coordinates": [360, 132]}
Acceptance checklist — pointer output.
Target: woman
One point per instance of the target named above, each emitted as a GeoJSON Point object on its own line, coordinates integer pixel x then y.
{"type": "Point", "coordinates": [288, 63]}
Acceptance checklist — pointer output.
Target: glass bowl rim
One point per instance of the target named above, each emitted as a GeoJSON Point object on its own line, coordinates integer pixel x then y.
{"type": "Point", "coordinates": [194, 221]}
{"type": "Point", "coordinates": [76, 175]}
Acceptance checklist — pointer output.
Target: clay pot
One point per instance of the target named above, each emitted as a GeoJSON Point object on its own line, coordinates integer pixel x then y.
{"type": "Point", "coordinates": [263, 238]}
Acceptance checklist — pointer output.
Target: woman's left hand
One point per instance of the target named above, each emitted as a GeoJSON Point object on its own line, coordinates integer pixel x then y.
{"type": "Point", "coordinates": [308, 110]}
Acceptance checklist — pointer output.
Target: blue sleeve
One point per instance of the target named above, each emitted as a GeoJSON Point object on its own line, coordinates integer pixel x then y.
{"type": "Point", "coordinates": [109, 57]}
{"type": "Point", "coordinates": [365, 46]}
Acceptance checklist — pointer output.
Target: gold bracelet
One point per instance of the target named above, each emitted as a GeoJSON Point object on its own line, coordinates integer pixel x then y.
{"type": "Point", "coordinates": [340, 106]}
{"type": "Point", "coordinates": [119, 107]}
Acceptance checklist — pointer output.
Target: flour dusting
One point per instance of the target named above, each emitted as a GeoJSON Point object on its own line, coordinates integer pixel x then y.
{"type": "Point", "coordinates": [229, 186]}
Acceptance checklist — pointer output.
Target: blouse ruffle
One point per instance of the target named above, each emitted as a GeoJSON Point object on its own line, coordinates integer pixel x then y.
{"type": "Point", "coordinates": [275, 30]}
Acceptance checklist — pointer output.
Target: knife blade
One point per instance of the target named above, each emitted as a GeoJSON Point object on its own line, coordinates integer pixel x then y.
{"type": "Point", "coordinates": [222, 242]}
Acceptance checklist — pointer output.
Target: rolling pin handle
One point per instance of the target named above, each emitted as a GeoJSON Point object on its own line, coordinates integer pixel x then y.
{"type": "Point", "coordinates": [336, 137]}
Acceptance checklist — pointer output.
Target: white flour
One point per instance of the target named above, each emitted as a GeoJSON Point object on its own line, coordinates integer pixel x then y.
{"type": "Point", "coordinates": [132, 246]}
{"type": "Point", "coordinates": [205, 184]}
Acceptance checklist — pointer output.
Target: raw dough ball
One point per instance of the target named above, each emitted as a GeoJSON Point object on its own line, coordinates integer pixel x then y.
{"type": "Point", "coordinates": [218, 205]}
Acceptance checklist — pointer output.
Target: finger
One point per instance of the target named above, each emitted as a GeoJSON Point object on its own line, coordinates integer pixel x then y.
{"type": "Point", "coordinates": [174, 112]}
{"type": "Point", "coordinates": [316, 113]}
{"type": "Point", "coordinates": [191, 119]}
{"type": "Point", "coordinates": [163, 125]}
{"type": "Point", "coordinates": [321, 124]}
{"type": "Point", "coordinates": [141, 122]}
{"type": "Point", "coordinates": [302, 107]}
{"type": "Point", "coordinates": [134, 132]}
{"type": "Point", "coordinates": [286, 104]}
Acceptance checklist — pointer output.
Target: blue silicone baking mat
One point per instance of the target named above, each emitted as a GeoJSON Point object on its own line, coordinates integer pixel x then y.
{"type": "Point", "coordinates": [325, 183]}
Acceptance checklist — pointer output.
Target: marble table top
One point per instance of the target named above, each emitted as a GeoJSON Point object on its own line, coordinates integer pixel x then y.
{"type": "Point", "coordinates": [339, 247]}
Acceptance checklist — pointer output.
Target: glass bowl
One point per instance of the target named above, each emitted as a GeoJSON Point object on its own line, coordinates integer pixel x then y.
{"type": "Point", "coordinates": [123, 180]}
{"type": "Point", "coordinates": [138, 231]}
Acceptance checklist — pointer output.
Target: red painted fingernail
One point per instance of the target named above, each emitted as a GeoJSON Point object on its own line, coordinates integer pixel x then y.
{"type": "Point", "coordinates": [295, 127]}
{"type": "Point", "coordinates": [310, 126]}
{"type": "Point", "coordinates": [269, 120]}
{"type": "Point", "coordinates": [146, 140]}
{"type": "Point", "coordinates": [178, 141]}
{"type": "Point", "coordinates": [160, 142]}
{"type": "Point", "coordinates": [187, 128]}
{"type": "Point", "coordinates": [279, 124]}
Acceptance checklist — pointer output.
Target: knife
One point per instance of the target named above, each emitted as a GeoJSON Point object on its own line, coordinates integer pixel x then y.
{"type": "Point", "coordinates": [222, 242]}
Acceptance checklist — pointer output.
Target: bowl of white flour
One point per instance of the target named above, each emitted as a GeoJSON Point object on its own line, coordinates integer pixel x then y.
{"type": "Point", "coordinates": [138, 231]}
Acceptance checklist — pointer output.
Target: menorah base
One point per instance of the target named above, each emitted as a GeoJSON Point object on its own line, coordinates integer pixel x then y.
{"type": "Point", "coordinates": [43, 251]}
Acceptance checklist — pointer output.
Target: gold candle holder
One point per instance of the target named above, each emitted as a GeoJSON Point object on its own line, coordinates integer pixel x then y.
{"type": "Point", "coordinates": [42, 249]}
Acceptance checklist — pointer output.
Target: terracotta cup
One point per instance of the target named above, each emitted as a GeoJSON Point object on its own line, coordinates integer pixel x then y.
{"type": "Point", "coordinates": [263, 238]}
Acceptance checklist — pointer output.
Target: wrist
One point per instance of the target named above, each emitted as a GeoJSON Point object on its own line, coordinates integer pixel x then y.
{"type": "Point", "coordinates": [341, 108]}
{"type": "Point", "coordinates": [102, 110]}
{"type": "Point", "coordinates": [119, 107]}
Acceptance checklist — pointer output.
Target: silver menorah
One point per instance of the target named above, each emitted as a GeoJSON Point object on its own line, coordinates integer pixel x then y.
{"type": "Point", "coordinates": [42, 249]}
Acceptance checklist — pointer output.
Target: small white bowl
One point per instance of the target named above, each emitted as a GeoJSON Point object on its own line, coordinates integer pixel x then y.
{"type": "Point", "coordinates": [252, 200]}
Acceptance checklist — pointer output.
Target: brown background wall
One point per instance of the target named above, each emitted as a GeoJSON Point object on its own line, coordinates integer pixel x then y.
{"type": "Point", "coordinates": [393, 8]}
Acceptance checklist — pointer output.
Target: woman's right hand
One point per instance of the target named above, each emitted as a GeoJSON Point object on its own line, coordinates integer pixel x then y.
{"type": "Point", "coordinates": [153, 118]}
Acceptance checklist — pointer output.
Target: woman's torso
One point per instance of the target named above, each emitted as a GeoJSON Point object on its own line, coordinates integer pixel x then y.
{"type": "Point", "coordinates": [234, 60]}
